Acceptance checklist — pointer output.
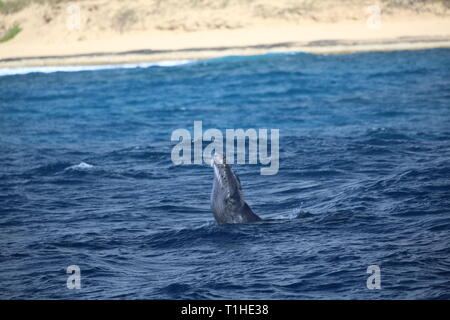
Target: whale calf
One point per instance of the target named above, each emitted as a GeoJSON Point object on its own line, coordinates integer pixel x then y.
{"type": "Point", "coordinates": [227, 201]}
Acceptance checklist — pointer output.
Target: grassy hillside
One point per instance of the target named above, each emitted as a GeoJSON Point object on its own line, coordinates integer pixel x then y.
{"type": "Point", "coordinates": [37, 18]}
{"type": "Point", "coordinates": [282, 7]}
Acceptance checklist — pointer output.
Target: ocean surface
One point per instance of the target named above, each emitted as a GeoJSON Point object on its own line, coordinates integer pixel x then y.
{"type": "Point", "coordinates": [86, 179]}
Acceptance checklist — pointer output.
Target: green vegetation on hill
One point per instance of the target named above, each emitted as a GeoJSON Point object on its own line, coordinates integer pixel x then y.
{"type": "Point", "coordinates": [13, 6]}
{"type": "Point", "coordinates": [11, 33]}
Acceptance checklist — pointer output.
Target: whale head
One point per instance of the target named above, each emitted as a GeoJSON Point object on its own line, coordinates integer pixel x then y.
{"type": "Point", "coordinates": [227, 187]}
{"type": "Point", "coordinates": [227, 180]}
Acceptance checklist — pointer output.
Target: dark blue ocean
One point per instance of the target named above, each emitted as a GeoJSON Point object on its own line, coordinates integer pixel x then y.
{"type": "Point", "coordinates": [86, 179]}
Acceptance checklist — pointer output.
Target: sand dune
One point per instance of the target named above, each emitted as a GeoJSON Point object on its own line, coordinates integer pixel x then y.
{"type": "Point", "coordinates": [99, 31]}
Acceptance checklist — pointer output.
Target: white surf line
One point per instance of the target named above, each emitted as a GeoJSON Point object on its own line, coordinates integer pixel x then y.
{"type": "Point", "coordinates": [52, 69]}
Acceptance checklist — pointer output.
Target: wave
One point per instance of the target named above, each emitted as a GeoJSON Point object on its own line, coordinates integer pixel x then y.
{"type": "Point", "coordinates": [80, 166]}
{"type": "Point", "coordinates": [53, 69]}
{"type": "Point", "coordinates": [164, 63]}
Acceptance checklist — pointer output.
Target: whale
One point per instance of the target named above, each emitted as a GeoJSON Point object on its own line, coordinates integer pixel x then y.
{"type": "Point", "coordinates": [227, 199]}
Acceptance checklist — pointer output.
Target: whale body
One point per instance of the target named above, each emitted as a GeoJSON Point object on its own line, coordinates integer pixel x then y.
{"type": "Point", "coordinates": [227, 200]}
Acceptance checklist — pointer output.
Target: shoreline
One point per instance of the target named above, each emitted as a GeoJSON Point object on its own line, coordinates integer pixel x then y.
{"type": "Point", "coordinates": [97, 43]}
{"type": "Point", "coordinates": [152, 56]}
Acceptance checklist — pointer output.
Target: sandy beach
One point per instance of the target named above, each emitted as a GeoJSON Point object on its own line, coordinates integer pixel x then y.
{"type": "Point", "coordinates": [105, 32]}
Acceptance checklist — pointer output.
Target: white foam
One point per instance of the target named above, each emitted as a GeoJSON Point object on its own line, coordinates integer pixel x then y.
{"type": "Point", "coordinates": [51, 69]}
{"type": "Point", "coordinates": [81, 165]}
